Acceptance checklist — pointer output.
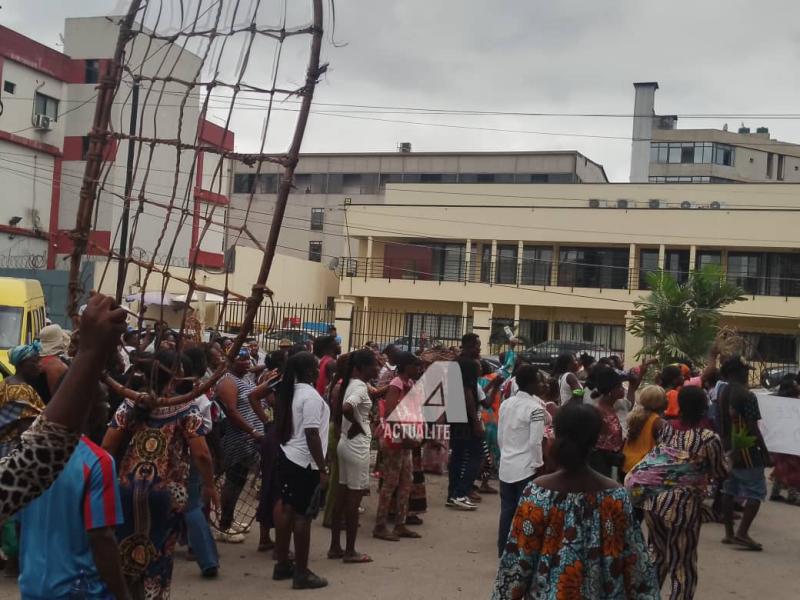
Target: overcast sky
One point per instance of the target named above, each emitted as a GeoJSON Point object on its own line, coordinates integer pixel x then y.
{"type": "Point", "coordinates": [734, 57]}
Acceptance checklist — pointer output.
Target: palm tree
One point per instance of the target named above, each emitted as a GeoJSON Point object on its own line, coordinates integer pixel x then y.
{"type": "Point", "coordinates": [679, 321]}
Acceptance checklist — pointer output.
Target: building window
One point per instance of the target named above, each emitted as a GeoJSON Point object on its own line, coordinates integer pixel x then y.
{"type": "Point", "coordinates": [676, 263]}
{"type": "Point", "coordinates": [776, 348]}
{"type": "Point", "coordinates": [770, 162]}
{"type": "Point", "coordinates": [765, 273]}
{"type": "Point", "coordinates": [317, 219]}
{"type": "Point", "coordinates": [781, 167]}
{"type": "Point", "coordinates": [444, 329]}
{"type": "Point", "coordinates": [707, 257]}
{"type": "Point", "coordinates": [691, 153]}
{"type": "Point", "coordinates": [9, 87]}
{"type": "Point", "coordinates": [648, 263]}
{"type": "Point", "coordinates": [92, 70]}
{"type": "Point", "coordinates": [506, 267]}
{"type": "Point", "coordinates": [603, 268]}
{"type": "Point", "coordinates": [537, 263]}
{"type": "Point", "coordinates": [243, 183]}
{"type": "Point", "coordinates": [45, 105]}
{"type": "Point", "coordinates": [85, 143]}
{"type": "Point", "coordinates": [315, 251]}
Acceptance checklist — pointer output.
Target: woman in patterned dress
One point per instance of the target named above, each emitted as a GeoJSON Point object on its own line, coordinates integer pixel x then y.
{"type": "Point", "coordinates": [153, 479]}
{"type": "Point", "coordinates": [574, 535]}
{"type": "Point", "coordinates": [673, 480]}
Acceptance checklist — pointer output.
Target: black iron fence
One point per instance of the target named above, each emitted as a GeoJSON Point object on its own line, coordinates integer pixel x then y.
{"type": "Point", "coordinates": [772, 355]}
{"type": "Point", "coordinates": [298, 323]}
{"type": "Point", "coordinates": [408, 330]}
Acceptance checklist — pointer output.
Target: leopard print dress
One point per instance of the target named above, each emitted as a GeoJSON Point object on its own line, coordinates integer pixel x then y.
{"type": "Point", "coordinates": [27, 471]}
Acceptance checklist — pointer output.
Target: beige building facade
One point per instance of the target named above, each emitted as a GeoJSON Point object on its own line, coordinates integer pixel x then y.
{"type": "Point", "coordinates": [662, 153]}
{"type": "Point", "coordinates": [567, 262]}
{"type": "Point", "coordinates": [315, 227]}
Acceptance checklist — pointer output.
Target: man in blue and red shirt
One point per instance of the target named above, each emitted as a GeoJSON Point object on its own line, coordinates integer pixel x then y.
{"type": "Point", "coordinates": [67, 545]}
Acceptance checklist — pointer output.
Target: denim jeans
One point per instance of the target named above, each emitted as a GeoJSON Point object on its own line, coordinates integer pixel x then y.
{"type": "Point", "coordinates": [509, 498]}
{"type": "Point", "coordinates": [198, 531]}
{"type": "Point", "coordinates": [466, 455]}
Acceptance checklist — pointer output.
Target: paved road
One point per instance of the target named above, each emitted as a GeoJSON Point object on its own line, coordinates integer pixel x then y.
{"type": "Point", "coordinates": [456, 559]}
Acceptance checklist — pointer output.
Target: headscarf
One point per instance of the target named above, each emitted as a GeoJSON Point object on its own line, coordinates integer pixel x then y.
{"type": "Point", "coordinates": [21, 353]}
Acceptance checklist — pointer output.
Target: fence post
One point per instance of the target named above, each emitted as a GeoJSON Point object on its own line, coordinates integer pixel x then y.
{"type": "Point", "coordinates": [482, 324]}
{"type": "Point", "coordinates": [343, 321]}
{"type": "Point", "coordinates": [633, 344]}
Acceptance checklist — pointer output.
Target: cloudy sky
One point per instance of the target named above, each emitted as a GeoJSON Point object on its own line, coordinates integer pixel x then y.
{"type": "Point", "coordinates": [721, 57]}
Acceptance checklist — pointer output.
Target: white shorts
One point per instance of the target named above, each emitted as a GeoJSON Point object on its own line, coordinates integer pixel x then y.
{"type": "Point", "coordinates": [353, 465]}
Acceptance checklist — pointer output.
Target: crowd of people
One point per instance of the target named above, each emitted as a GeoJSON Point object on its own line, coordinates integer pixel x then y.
{"type": "Point", "coordinates": [604, 482]}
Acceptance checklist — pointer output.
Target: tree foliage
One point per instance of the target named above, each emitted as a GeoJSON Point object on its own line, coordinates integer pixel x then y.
{"type": "Point", "coordinates": [680, 320]}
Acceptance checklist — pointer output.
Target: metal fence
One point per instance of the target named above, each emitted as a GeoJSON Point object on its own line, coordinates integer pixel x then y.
{"type": "Point", "coordinates": [299, 323]}
{"type": "Point", "coordinates": [538, 339]}
{"type": "Point", "coordinates": [772, 355]}
{"type": "Point", "coordinates": [408, 330]}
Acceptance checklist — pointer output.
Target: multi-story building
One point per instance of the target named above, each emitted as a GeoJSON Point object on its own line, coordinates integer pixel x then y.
{"type": "Point", "coordinates": [662, 153]}
{"type": "Point", "coordinates": [567, 262]}
{"type": "Point", "coordinates": [48, 107]}
{"type": "Point", "coordinates": [315, 226]}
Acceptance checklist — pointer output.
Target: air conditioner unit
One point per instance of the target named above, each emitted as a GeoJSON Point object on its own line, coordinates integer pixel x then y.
{"type": "Point", "coordinates": [686, 204]}
{"type": "Point", "coordinates": [623, 203]}
{"type": "Point", "coordinates": [597, 203]}
{"type": "Point", "coordinates": [717, 205]}
{"type": "Point", "coordinates": [42, 122]}
{"type": "Point", "coordinates": [654, 203]}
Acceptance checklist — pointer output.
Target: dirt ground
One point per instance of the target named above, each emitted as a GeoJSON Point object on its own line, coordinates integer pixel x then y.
{"type": "Point", "coordinates": [456, 559]}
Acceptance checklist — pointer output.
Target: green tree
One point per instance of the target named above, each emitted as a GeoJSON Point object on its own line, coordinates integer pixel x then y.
{"type": "Point", "coordinates": [681, 320]}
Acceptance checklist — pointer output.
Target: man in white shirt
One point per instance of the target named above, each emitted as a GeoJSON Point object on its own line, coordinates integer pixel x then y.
{"type": "Point", "coordinates": [520, 432]}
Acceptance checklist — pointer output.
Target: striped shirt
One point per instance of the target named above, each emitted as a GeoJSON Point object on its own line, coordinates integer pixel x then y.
{"type": "Point", "coordinates": [238, 444]}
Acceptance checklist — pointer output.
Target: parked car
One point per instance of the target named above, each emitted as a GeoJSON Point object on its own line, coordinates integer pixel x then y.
{"type": "Point", "coordinates": [771, 376]}
{"type": "Point", "coordinates": [411, 344]}
{"type": "Point", "coordinates": [270, 341]}
{"type": "Point", "coordinates": [544, 354]}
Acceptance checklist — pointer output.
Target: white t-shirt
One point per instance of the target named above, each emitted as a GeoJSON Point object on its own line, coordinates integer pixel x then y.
{"type": "Point", "coordinates": [309, 411]}
{"type": "Point", "coordinates": [203, 404]}
{"type": "Point", "coordinates": [520, 431]}
{"type": "Point", "coordinates": [564, 390]}
{"type": "Point", "coordinates": [357, 396]}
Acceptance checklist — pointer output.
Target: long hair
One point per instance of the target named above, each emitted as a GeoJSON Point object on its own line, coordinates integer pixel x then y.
{"type": "Point", "coordinates": [652, 399]}
{"type": "Point", "coordinates": [296, 368]}
{"type": "Point", "coordinates": [357, 360]}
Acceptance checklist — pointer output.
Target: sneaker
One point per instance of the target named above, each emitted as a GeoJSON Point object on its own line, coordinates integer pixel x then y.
{"type": "Point", "coordinates": [464, 503]}
{"type": "Point", "coordinates": [228, 537]}
{"type": "Point", "coordinates": [241, 527]}
{"type": "Point", "coordinates": [283, 571]}
{"type": "Point", "coordinates": [210, 572]}
{"type": "Point", "coordinates": [309, 581]}
{"type": "Point", "coordinates": [451, 503]}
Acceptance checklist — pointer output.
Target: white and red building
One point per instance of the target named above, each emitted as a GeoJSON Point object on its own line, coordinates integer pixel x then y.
{"type": "Point", "coordinates": [47, 111]}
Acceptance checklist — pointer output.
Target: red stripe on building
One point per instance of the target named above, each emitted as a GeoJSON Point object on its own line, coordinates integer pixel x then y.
{"type": "Point", "coordinates": [73, 148]}
{"type": "Point", "coordinates": [36, 145]}
{"type": "Point", "coordinates": [25, 51]}
{"type": "Point", "coordinates": [208, 259]}
{"type": "Point", "coordinates": [97, 240]}
{"type": "Point", "coordinates": [217, 136]}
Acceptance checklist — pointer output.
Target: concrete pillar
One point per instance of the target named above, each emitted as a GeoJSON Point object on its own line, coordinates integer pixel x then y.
{"type": "Point", "coordinates": [368, 270]}
{"type": "Point", "coordinates": [692, 257]}
{"type": "Point", "coordinates": [493, 263]}
{"type": "Point", "coordinates": [464, 315]}
{"type": "Point", "coordinates": [467, 260]}
{"type": "Point", "coordinates": [482, 324]}
{"type": "Point", "coordinates": [554, 270]}
{"type": "Point", "coordinates": [520, 249]}
{"type": "Point", "coordinates": [551, 329]}
{"type": "Point", "coordinates": [633, 344]}
{"type": "Point", "coordinates": [343, 321]}
{"type": "Point", "coordinates": [643, 113]}
{"type": "Point", "coordinates": [633, 273]}
{"type": "Point", "coordinates": [516, 319]}
{"type": "Point", "coordinates": [662, 253]}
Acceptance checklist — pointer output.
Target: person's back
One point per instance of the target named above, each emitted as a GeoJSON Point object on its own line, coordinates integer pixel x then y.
{"type": "Point", "coordinates": [520, 433]}
{"type": "Point", "coordinates": [56, 559]}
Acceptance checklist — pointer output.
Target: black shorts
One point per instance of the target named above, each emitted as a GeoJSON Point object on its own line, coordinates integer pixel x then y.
{"type": "Point", "coordinates": [297, 484]}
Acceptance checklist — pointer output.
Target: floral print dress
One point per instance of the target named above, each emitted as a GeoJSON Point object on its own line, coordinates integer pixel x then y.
{"type": "Point", "coordinates": [573, 546]}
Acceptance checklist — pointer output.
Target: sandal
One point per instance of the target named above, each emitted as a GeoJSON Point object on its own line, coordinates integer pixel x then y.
{"type": "Point", "coordinates": [406, 533]}
{"type": "Point", "coordinates": [335, 554]}
{"type": "Point", "coordinates": [386, 535]}
{"type": "Point", "coordinates": [746, 544]}
{"type": "Point", "coordinates": [413, 520]}
{"type": "Point", "coordinates": [357, 559]}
